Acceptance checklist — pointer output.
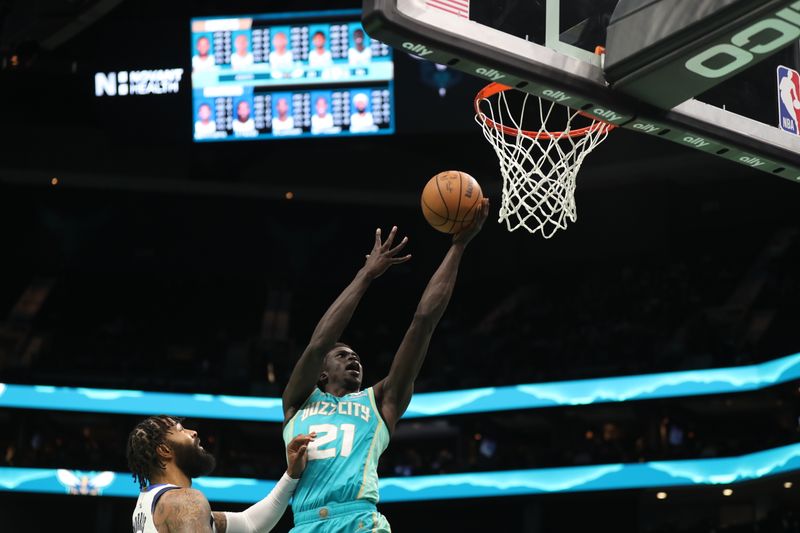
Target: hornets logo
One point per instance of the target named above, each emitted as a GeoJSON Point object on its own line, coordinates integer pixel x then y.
{"type": "Point", "coordinates": [85, 483]}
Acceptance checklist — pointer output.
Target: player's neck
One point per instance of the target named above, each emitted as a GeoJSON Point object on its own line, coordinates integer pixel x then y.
{"type": "Point", "coordinates": [338, 390]}
{"type": "Point", "coordinates": [172, 475]}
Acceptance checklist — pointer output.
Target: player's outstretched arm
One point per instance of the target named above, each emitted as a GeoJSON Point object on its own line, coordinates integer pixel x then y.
{"type": "Point", "coordinates": [306, 372]}
{"type": "Point", "coordinates": [265, 514]}
{"type": "Point", "coordinates": [394, 392]}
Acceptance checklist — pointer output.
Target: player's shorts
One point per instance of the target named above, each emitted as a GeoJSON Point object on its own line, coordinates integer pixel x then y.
{"type": "Point", "coordinates": [349, 517]}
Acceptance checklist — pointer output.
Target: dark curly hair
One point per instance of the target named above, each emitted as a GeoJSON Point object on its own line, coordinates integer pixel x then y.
{"type": "Point", "coordinates": [142, 443]}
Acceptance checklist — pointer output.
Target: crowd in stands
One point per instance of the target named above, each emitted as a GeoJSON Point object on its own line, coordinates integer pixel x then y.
{"type": "Point", "coordinates": [611, 318]}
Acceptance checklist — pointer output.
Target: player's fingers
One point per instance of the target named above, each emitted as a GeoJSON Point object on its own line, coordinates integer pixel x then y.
{"type": "Point", "coordinates": [398, 260]}
{"type": "Point", "coordinates": [377, 244]}
{"type": "Point", "coordinates": [399, 247]}
{"type": "Point", "coordinates": [301, 440]}
{"type": "Point", "coordinates": [302, 451]}
{"type": "Point", "coordinates": [305, 439]}
{"type": "Point", "coordinates": [484, 210]}
{"type": "Point", "coordinates": [390, 239]}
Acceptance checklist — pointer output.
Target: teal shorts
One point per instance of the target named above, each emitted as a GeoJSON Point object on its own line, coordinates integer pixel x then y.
{"type": "Point", "coordinates": [350, 517]}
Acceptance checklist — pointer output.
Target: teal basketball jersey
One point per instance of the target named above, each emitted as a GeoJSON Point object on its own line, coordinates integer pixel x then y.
{"type": "Point", "coordinates": [343, 459]}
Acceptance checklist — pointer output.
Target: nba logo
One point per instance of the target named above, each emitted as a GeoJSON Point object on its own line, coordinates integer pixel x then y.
{"type": "Point", "coordinates": [789, 100]}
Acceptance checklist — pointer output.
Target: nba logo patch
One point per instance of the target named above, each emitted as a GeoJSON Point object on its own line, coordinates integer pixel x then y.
{"type": "Point", "coordinates": [789, 100]}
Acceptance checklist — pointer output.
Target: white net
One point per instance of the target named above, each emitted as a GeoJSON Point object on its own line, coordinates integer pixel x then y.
{"type": "Point", "coordinates": [539, 168]}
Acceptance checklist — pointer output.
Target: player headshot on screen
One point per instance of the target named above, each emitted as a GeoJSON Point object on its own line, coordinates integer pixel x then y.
{"type": "Point", "coordinates": [244, 125]}
{"type": "Point", "coordinates": [241, 58]}
{"type": "Point", "coordinates": [359, 53]}
{"type": "Point", "coordinates": [361, 120]}
{"type": "Point", "coordinates": [284, 121]}
{"type": "Point", "coordinates": [353, 425]}
{"type": "Point", "coordinates": [319, 56]}
{"type": "Point", "coordinates": [204, 59]}
{"type": "Point", "coordinates": [164, 457]}
{"type": "Point", "coordinates": [205, 125]}
{"type": "Point", "coordinates": [280, 58]}
{"type": "Point", "coordinates": [321, 121]}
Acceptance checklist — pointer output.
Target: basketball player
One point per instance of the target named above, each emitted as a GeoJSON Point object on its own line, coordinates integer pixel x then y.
{"type": "Point", "coordinates": [361, 121]}
{"type": "Point", "coordinates": [242, 58]}
{"type": "Point", "coordinates": [205, 127]}
{"type": "Point", "coordinates": [203, 60]}
{"type": "Point", "coordinates": [164, 457]}
{"type": "Point", "coordinates": [339, 488]}
{"type": "Point", "coordinates": [244, 125]}
{"type": "Point", "coordinates": [322, 121]}
{"type": "Point", "coordinates": [281, 57]}
{"type": "Point", "coordinates": [359, 53]}
{"type": "Point", "coordinates": [319, 57]}
{"type": "Point", "coordinates": [283, 122]}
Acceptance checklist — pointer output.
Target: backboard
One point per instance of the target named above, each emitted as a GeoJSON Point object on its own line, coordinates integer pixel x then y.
{"type": "Point", "coordinates": [702, 73]}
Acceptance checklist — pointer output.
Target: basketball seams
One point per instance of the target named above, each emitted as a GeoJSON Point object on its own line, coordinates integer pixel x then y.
{"type": "Point", "coordinates": [426, 207]}
{"type": "Point", "coordinates": [429, 208]}
{"type": "Point", "coordinates": [444, 202]}
{"type": "Point", "coordinates": [460, 195]}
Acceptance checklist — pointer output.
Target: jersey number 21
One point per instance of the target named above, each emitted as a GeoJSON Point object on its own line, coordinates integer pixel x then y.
{"type": "Point", "coordinates": [327, 433]}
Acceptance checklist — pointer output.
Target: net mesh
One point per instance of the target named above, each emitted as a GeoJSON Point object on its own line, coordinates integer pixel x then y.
{"type": "Point", "coordinates": [539, 168]}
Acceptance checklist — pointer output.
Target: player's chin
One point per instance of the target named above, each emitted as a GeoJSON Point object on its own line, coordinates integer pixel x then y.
{"type": "Point", "coordinates": [352, 380]}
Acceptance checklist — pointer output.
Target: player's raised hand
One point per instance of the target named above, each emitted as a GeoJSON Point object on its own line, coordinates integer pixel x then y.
{"type": "Point", "coordinates": [297, 454]}
{"type": "Point", "coordinates": [466, 234]}
{"type": "Point", "coordinates": [382, 255]}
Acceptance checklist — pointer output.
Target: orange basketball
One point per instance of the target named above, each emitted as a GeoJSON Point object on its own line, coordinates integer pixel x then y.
{"type": "Point", "coordinates": [450, 201]}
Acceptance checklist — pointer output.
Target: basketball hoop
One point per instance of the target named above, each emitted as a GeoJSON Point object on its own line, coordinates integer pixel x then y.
{"type": "Point", "coordinates": [539, 166]}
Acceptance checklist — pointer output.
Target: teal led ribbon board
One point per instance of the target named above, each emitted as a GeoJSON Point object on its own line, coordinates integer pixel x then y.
{"type": "Point", "coordinates": [460, 402]}
{"type": "Point", "coordinates": [657, 474]}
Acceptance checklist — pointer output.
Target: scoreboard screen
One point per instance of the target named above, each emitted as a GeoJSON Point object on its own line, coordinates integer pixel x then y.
{"type": "Point", "coordinates": [314, 74]}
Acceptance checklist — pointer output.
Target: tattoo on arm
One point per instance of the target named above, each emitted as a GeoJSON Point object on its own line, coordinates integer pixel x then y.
{"type": "Point", "coordinates": [183, 511]}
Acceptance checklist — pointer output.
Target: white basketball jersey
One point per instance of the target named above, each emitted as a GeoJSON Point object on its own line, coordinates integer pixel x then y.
{"type": "Point", "coordinates": [145, 505]}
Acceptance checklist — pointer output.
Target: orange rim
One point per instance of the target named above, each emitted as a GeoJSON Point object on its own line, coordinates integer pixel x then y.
{"type": "Point", "coordinates": [495, 88]}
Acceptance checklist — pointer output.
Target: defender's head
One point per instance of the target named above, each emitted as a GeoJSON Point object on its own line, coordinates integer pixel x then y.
{"type": "Point", "coordinates": [159, 441]}
{"type": "Point", "coordinates": [341, 369]}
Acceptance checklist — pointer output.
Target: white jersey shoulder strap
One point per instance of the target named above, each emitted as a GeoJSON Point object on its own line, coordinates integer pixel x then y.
{"type": "Point", "coordinates": [146, 505]}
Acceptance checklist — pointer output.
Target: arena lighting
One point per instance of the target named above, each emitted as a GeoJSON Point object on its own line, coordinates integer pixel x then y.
{"type": "Point", "coordinates": [787, 485]}
{"type": "Point", "coordinates": [448, 403]}
{"type": "Point", "coordinates": [727, 492]}
{"type": "Point", "coordinates": [652, 475]}
{"type": "Point", "coordinates": [661, 495]}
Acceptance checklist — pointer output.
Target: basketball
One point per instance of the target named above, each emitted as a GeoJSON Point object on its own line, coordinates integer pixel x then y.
{"type": "Point", "coordinates": [450, 201]}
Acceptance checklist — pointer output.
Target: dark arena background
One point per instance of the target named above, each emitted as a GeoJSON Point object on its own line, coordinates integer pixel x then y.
{"type": "Point", "coordinates": [637, 372]}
